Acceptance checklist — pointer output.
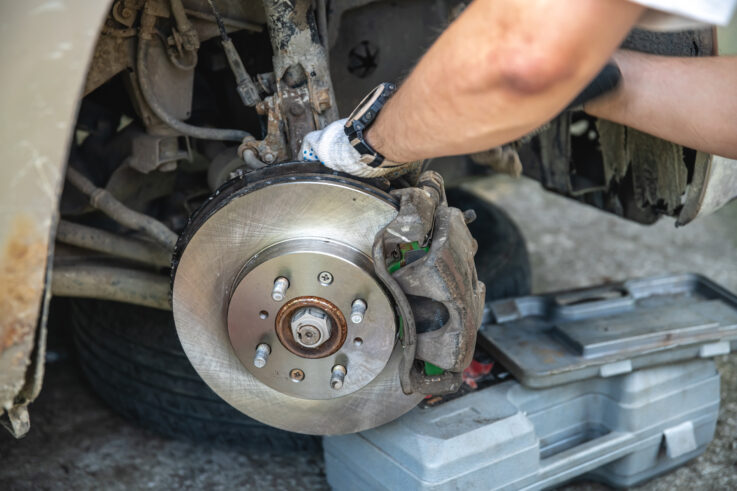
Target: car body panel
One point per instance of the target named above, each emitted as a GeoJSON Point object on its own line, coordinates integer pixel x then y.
{"type": "Point", "coordinates": [46, 47]}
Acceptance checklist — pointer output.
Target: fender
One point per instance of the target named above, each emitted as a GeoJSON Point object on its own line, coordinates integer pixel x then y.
{"type": "Point", "coordinates": [47, 47]}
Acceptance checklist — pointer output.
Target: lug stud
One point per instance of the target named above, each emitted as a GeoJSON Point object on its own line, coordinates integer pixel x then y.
{"type": "Point", "coordinates": [262, 355]}
{"type": "Point", "coordinates": [337, 377]}
{"type": "Point", "coordinates": [358, 309]}
{"type": "Point", "coordinates": [280, 289]}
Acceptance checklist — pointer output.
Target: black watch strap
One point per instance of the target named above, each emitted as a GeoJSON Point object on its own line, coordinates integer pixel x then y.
{"type": "Point", "coordinates": [362, 117]}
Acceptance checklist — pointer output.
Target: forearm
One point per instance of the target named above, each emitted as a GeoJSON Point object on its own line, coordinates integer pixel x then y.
{"type": "Point", "coordinates": [502, 69]}
{"type": "Point", "coordinates": [689, 101]}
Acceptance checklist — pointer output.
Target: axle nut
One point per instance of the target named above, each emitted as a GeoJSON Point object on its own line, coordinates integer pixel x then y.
{"type": "Point", "coordinates": [311, 327]}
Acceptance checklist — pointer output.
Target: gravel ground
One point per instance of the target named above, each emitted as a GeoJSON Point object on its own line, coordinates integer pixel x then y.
{"type": "Point", "coordinates": [78, 442]}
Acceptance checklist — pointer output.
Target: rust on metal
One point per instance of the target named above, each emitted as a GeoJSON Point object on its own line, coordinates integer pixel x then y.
{"type": "Point", "coordinates": [22, 268]}
{"type": "Point", "coordinates": [284, 330]}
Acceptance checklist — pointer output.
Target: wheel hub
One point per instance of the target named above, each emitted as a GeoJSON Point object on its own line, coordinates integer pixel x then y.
{"type": "Point", "coordinates": [315, 307]}
{"type": "Point", "coordinates": [278, 308]}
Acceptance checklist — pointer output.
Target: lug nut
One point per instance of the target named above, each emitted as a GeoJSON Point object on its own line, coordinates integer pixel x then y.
{"type": "Point", "coordinates": [262, 355]}
{"type": "Point", "coordinates": [337, 377]}
{"type": "Point", "coordinates": [280, 289]}
{"type": "Point", "coordinates": [358, 309]}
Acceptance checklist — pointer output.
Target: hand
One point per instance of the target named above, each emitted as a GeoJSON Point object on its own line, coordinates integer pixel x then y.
{"type": "Point", "coordinates": [330, 147]}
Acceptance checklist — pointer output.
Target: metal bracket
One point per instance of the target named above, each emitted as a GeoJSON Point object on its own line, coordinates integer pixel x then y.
{"type": "Point", "coordinates": [446, 275]}
{"type": "Point", "coordinates": [154, 152]}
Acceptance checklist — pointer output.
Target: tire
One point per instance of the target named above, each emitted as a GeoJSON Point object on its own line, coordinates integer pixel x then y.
{"type": "Point", "coordinates": [502, 261]}
{"type": "Point", "coordinates": [132, 357]}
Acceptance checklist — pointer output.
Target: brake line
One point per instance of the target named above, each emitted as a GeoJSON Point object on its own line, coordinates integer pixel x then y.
{"type": "Point", "coordinates": [144, 44]}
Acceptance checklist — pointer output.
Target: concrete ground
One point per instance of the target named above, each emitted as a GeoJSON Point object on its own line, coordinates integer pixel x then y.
{"type": "Point", "coordinates": [76, 441]}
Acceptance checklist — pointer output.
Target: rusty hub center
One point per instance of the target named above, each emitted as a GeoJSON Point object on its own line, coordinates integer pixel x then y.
{"type": "Point", "coordinates": [329, 346]}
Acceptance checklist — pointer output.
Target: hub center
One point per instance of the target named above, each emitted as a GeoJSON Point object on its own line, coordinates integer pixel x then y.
{"type": "Point", "coordinates": [291, 319]}
{"type": "Point", "coordinates": [311, 326]}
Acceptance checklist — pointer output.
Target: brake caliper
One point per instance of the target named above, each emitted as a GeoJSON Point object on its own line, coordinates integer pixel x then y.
{"type": "Point", "coordinates": [425, 257]}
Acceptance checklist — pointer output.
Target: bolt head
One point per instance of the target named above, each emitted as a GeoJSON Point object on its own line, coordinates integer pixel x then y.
{"type": "Point", "coordinates": [269, 158]}
{"type": "Point", "coordinates": [296, 375]}
{"type": "Point", "coordinates": [311, 327]}
{"type": "Point", "coordinates": [325, 278]}
{"type": "Point", "coordinates": [323, 99]}
{"type": "Point", "coordinates": [296, 109]}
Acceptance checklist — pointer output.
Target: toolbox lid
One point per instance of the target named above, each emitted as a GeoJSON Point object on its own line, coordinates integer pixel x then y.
{"type": "Point", "coordinates": [609, 330]}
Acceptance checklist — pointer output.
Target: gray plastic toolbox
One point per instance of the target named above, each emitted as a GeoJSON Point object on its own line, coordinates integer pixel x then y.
{"type": "Point", "coordinates": [623, 392]}
{"type": "Point", "coordinates": [608, 330]}
{"type": "Point", "coordinates": [622, 430]}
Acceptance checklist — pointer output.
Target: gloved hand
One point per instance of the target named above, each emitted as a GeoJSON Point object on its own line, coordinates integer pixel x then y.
{"type": "Point", "coordinates": [330, 146]}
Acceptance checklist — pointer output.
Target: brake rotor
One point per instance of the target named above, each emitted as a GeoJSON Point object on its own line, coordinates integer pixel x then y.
{"type": "Point", "coordinates": [296, 357]}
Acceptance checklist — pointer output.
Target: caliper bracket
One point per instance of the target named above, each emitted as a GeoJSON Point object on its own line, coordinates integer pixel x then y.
{"type": "Point", "coordinates": [446, 274]}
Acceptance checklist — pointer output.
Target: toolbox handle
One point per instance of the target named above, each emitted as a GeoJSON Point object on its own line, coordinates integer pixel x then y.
{"type": "Point", "coordinates": [569, 305]}
{"type": "Point", "coordinates": [586, 456]}
{"type": "Point", "coordinates": [593, 300]}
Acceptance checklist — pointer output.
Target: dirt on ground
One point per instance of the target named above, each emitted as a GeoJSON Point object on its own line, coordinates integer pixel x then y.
{"type": "Point", "coordinates": [77, 442]}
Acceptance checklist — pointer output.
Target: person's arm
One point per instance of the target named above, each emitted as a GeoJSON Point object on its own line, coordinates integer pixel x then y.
{"type": "Point", "coordinates": [689, 101]}
{"type": "Point", "coordinates": [502, 69]}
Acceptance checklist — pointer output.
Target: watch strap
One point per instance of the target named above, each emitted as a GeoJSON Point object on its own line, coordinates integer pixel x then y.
{"type": "Point", "coordinates": [361, 119]}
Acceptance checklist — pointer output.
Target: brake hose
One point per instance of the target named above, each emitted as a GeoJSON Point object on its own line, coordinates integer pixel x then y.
{"type": "Point", "coordinates": [182, 127]}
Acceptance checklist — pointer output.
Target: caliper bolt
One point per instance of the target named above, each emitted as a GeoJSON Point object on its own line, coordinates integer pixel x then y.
{"type": "Point", "coordinates": [325, 278]}
{"type": "Point", "coordinates": [280, 289]}
{"type": "Point", "coordinates": [358, 309]}
{"type": "Point", "coordinates": [262, 355]}
{"type": "Point", "coordinates": [337, 377]}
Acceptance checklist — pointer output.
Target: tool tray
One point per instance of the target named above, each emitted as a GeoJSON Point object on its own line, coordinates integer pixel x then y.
{"type": "Point", "coordinates": [558, 338]}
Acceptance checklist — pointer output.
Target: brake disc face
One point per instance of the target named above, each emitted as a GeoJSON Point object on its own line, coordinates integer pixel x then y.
{"type": "Point", "coordinates": [254, 318]}
{"type": "Point", "coordinates": [294, 356]}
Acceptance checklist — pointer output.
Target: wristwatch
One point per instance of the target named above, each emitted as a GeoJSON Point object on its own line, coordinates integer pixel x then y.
{"type": "Point", "coordinates": [362, 117]}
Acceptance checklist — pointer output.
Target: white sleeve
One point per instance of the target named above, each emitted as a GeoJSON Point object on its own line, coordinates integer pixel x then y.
{"type": "Point", "coordinates": [673, 15]}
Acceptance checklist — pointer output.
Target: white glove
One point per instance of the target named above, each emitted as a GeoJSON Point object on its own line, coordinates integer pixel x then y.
{"type": "Point", "coordinates": [330, 147]}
